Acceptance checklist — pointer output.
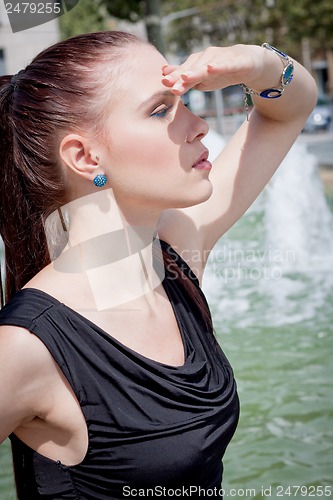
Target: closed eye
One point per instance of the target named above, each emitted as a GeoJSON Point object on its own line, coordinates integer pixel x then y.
{"type": "Point", "coordinates": [161, 111]}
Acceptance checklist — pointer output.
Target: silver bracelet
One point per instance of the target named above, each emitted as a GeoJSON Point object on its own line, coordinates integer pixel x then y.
{"type": "Point", "coordinates": [273, 92]}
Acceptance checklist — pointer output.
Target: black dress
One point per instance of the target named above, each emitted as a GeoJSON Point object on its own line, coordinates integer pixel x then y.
{"type": "Point", "coordinates": [152, 427]}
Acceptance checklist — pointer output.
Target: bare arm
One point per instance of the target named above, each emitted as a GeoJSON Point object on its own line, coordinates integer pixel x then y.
{"type": "Point", "coordinates": [24, 375]}
{"type": "Point", "coordinates": [252, 155]}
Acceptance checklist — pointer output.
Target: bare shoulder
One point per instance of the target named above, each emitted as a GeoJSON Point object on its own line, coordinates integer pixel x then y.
{"type": "Point", "coordinates": [60, 285]}
{"type": "Point", "coordinates": [18, 345]}
{"type": "Point", "coordinates": [26, 368]}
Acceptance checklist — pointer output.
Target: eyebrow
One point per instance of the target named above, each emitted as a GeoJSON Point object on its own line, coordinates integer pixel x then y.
{"type": "Point", "coordinates": [154, 97]}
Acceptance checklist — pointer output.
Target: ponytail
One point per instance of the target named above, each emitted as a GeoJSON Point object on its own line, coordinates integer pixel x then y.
{"type": "Point", "coordinates": [47, 99]}
{"type": "Point", "coordinates": [21, 216]}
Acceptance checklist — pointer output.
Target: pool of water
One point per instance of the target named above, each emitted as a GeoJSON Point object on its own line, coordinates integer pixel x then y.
{"type": "Point", "coordinates": [7, 491]}
{"type": "Point", "coordinates": [273, 310]}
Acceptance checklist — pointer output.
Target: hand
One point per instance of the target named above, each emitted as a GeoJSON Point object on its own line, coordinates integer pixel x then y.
{"type": "Point", "coordinates": [218, 67]}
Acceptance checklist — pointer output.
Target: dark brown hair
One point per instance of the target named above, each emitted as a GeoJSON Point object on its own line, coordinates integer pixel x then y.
{"type": "Point", "coordinates": [61, 90]}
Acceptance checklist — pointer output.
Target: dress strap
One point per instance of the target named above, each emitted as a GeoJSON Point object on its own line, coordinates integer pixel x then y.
{"type": "Point", "coordinates": [25, 307]}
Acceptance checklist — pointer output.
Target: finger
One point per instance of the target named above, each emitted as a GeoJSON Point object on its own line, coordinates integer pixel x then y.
{"type": "Point", "coordinates": [169, 68]}
{"type": "Point", "coordinates": [173, 72]}
{"type": "Point", "coordinates": [189, 80]}
{"type": "Point", "coordinates": [214, 68]}
{"type": "Point", "coordinates": [172, 79]}
{"type": "Point", "coordinates": [192, 78]}
{"type": "Point", "coordinates": [195, 74]}
{"type": "Point", "coordinates": [181, 88]}
{"type": "Point", "coordinates": [169, 80]}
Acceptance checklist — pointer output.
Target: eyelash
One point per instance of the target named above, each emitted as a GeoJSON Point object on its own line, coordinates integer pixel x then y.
{"type": "Point", "coordinates": [162, 113]}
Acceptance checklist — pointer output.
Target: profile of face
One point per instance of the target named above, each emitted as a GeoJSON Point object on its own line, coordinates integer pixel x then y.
{"type": "Point", "coordinates": [152, 139]}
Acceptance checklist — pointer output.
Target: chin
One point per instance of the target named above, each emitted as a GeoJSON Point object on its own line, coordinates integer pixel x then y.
{"type": "Point", "coordinates": [198, 197]}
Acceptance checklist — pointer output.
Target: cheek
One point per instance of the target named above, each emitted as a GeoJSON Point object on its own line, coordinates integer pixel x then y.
{"type": "Point", "coordinates": [144, 150]}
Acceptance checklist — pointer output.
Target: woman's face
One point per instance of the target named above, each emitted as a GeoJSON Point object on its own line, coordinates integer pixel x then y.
{"type": "Point", "coordinates": [153, 139]}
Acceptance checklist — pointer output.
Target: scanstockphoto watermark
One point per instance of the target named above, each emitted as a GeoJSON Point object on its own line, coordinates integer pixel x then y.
{"type": "Point", "coordinates": [229, 263]}
{"type": "Point", "coordinates": [186, 492]}
{"type": "Point", "coordinates": [242, 273]}
{"type": "Point", "coordinates": [268, 255]}
{"type": "Point", "coordinates": [287, 491]}
{"type": "Point", "coordinates": [24, 15]}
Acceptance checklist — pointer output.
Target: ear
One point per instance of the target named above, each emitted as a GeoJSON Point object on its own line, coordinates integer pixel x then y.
{"type": "Point", "coordinates": [77, 154]}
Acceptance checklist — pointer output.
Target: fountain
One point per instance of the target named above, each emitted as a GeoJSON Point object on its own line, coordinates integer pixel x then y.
{"type": "Point", "coordinates": [269, 282]}
{"type": "Point", "coordinates": [297, 216]}
{"type": "Point", "coordinates": [281, 250]}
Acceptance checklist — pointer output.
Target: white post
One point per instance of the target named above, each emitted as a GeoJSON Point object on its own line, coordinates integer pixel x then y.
{"type": "Point", "coordinates": [219, 108]}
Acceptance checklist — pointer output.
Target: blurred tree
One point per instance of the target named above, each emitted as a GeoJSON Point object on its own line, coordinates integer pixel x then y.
{"type": "Point", "coordinates": [85, 17]}
{"type": "Point", "coordinates": [191, 24]}
{"type": "Point", "coordinates": [135, 10]}
{"type": "Point", "coordinates": [280, 22]}
{"type": "Point", "coordinates": [214, 22]}
{"type": "Point", "coordinates": [131, 10]}
{"type": "Point", "coordinates": [307, 19]}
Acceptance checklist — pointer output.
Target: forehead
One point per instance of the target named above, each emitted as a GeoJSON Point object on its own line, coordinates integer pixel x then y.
{"type": "Point", "coordinates": [141, 73]}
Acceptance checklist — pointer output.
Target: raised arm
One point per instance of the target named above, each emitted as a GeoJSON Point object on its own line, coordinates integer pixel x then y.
{"type": "Point", "coordinates": [255, 151]}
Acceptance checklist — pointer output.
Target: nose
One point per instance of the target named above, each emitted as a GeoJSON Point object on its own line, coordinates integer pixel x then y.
{"type": "Point", "coordinates": [198, 128]}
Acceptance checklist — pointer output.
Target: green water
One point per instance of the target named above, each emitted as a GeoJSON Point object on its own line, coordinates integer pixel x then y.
{"type": "Point", "coordinates": [6, 479]}
{"type": "Point", "coordinates": [276, 330]}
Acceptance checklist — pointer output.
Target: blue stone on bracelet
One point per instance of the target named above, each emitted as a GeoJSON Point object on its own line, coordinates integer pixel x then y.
{"type": "Point", "coordinates": [287, 74]}
{"type": "Point", "coordinates": [271, 93]}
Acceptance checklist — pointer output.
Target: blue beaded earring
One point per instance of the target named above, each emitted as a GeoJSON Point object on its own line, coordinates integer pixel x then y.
{"type": "Point", "coordinates": [100, 180]}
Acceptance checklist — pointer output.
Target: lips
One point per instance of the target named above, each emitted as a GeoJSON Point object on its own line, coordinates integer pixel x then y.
{"type": "Point", "coordinates": [202, 162]}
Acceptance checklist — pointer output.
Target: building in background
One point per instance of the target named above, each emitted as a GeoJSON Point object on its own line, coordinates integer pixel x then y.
{"type": "Point", "coordinates": [18, 49]}
{"type": "Point", "coordinates": [322, 68]}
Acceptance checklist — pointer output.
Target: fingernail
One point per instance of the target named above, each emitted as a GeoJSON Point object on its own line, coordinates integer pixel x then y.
{"type": "Point", "coordinates": [177, 86]}
{"type": "Point", "coordinates": [168, 78]}
{"type": "Point", "coordinates": [187, 74]}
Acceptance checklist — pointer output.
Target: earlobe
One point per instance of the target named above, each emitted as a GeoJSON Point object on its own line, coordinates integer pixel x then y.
{"type": "Point", "coordinates": [76, 154]}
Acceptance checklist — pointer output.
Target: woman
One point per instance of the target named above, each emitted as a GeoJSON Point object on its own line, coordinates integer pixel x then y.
{"type": "Point", "coordinates": [113, 385]}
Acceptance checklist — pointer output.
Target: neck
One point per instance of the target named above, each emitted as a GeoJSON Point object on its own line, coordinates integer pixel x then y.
{"type": "Point", "coordinates": [111, 247]}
